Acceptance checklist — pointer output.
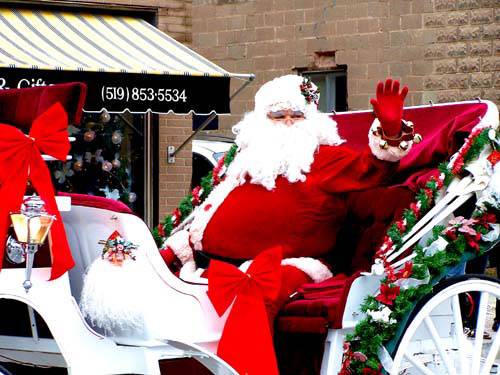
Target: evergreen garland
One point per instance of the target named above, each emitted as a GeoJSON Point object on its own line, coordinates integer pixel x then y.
{"type": "Point", "coordinates": [385, 310]}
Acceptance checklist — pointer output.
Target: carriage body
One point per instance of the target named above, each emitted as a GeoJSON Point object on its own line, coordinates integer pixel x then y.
{"type": "Point", "coordinates": [183, 325]}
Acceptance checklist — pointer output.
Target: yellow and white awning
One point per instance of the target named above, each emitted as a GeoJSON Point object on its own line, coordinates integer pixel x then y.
{"type": "Point", "coordinates": [75, 45]}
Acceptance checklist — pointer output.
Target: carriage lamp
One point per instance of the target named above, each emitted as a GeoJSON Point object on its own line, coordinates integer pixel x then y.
{"type": "Point", "coordinates": [31, 224]}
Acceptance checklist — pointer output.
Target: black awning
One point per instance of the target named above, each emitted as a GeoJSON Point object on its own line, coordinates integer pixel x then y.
{"type": "Point", "coordinates": [138, 93]}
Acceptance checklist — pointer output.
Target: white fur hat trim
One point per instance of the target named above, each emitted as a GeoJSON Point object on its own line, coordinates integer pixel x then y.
{"type": "Point", "coordinates": [283, 93]}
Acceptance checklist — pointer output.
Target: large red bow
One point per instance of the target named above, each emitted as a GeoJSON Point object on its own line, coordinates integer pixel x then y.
{"type": "Point", "coordinates": [246, 342]}
{"type": "Point", "coordinates": [20, 160]}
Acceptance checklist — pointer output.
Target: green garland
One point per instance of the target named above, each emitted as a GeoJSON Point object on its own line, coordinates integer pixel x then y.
{"type": "Point", "coordinates": [361, 349]}
{"type": "Point", "coordinates": [193, 199]}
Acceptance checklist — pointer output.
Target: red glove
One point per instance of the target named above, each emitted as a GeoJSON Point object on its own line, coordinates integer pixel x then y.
{"type": "Point", "coordinates": [170, 259]}
{"type": "Point", "coordinates": [388, 106]}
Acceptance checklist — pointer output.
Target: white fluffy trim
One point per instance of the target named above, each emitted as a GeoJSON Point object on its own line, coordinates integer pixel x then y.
{"type": "Point", "coordinates": [392, 153]}
{"type": "Point", "coordinates": [179, 243]}
{"type": "Point", "coordinates": [313, 268]}
{"type": "Point", "coordinates": [115, 298]}
{"type": "Point", "coordinates": [207, 210]}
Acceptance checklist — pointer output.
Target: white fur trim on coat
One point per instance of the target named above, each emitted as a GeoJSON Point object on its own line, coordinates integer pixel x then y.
{"type": "Point", "coordinates": [392, 153]}
{"type": "Point", "coordinates": [313, 268]}
{"type": "Point", "coordinates": [179, 243]}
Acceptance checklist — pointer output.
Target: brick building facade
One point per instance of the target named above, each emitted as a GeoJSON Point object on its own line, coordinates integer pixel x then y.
{"type": "Point", "coordinates": [444, 50]}
{"type": "Point", "coordinates": [174, 18]}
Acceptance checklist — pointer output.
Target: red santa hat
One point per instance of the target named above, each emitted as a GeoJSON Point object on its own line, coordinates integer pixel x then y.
{"type": "Point", "coordinates": [288, 92]}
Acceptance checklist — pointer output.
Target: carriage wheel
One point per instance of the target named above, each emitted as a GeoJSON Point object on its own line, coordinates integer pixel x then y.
{"type": "Point", "coordinates": [434, 341]}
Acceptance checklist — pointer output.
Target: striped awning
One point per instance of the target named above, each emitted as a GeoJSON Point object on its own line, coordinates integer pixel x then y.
{"type": "Point", "coordinates": [126, 62]}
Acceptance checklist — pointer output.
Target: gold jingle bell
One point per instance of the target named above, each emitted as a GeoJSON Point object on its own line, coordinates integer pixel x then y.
{"type": "Point", "coordinates": [417, 138]}
{"type": "Point", "coordinates": [383, 144]}
{"type": "Point", "coordinates": [376, 131]}
{"type": "Point", "coordinates": [403, 145]}
{"type": "Point", "coordinates": [407, 126]}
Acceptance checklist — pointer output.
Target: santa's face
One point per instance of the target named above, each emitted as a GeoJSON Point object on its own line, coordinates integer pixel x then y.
{"type": "Point", "coordinates": [287, 117]}
{"type": "Point", "coordinates": [284, 145]}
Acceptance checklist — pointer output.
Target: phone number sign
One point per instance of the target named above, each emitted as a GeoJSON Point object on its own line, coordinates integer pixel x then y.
{"type": "Point", "coordinates": [137, 93]}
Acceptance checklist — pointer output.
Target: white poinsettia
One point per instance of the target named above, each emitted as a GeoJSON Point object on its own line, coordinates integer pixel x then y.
{"type": "Point", "coordinates": [111, 194]}
{"type": "Point", "coordinates": [382, 315]}
{"type": "Point", "coordinates": [66, 171]}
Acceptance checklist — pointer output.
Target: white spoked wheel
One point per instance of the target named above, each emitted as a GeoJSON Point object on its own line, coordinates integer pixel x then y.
{"type": "Point", "coordinates": [434, 341]}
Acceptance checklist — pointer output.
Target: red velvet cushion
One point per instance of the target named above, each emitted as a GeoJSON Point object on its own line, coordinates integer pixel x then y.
{"type": "Point", "coordinates": [20, 107]}
{"type": "Point", "coordinates": [97, 202]}
{"type": "Point", "coordinates": [317, 307]}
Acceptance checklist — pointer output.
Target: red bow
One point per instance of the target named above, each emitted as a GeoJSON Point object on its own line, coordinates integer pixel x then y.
{"type": "Point", "coordinates": [20, 160]}
{"type": "Point", "coordinates": [246, 342]}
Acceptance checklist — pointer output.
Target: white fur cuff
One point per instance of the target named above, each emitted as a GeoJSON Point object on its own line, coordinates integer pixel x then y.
{"type": "Point", "coordinates": [392, 153]}
{"type": "Point", "coordinates": [179, 243]}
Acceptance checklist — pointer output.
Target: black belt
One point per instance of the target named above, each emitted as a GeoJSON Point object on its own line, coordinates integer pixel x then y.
{"type": "Point", "coordinates": [202, 259]}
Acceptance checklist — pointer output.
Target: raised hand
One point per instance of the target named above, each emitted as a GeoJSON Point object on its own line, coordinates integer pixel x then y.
{"type": "Point", "coordinates": [388, 106]}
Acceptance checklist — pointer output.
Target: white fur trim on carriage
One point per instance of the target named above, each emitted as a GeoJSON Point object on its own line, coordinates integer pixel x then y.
{"type": "Point", "coordinates": [114, 298]}
{"type": "Point", "coordinates": [392, 153]}
{"type": "Point", "coordinates": [179, 243]}
{"type": "Point", "coordinates": [313, 268]}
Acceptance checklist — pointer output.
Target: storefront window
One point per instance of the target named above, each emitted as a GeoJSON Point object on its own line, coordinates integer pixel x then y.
{"type": "Point", "coordinates": [107, 159]}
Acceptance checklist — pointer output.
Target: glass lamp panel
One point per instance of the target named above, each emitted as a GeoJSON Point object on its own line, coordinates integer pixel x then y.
{"type": "Point", "coordinates": [39, 227]}
{"type": "Point", "coordinates": [20, 223]}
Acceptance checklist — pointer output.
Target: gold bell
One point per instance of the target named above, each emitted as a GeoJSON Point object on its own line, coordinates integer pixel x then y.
{"type": "Point", "coordinates": [403, 145]}
{"type": "Point", "coordinates": [383, 144]}
{"type": "Point", "coordinates": [407, 126]}
{"type": "Point", "coordinates": [376, 131]}
{"type": "Point", "coordinates": [417, 138]}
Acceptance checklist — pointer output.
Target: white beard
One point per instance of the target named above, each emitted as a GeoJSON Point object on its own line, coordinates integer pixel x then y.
{"type": "Point", "coordinates": [268, 150]}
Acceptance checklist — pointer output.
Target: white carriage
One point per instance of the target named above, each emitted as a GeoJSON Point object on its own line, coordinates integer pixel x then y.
{"type": "Point", "coordinates": [44, 327]}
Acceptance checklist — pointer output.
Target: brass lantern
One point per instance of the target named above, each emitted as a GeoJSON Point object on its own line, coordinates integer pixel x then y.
{"type": "Point", "coordinates": [31, 224]}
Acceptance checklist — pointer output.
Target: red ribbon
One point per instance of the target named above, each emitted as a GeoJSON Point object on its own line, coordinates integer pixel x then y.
{"type": "Point", "coordinates": [20, 160]}
{"type": "Point", "coordinates": [246, 342]}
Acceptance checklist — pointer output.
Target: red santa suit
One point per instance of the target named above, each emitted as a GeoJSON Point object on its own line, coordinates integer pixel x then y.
{"type": "Point", "coordinates": [301, 213]}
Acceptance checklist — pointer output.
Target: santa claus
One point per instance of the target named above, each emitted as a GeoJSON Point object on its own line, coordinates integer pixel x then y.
{"type": "Point", "coordinates": [285, 186]}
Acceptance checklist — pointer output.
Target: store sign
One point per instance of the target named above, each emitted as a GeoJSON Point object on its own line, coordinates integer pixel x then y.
{"type": "Point", "coordinates": [138, 93]}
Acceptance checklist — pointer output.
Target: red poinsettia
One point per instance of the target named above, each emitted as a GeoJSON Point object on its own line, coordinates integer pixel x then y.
{"type": "Point", "coordinates": [406, 271]}
{"type": "Point", "coordinates": [458, 165]}
{"type": "Point", "coordinates": [391, 275]}
{"type": "Point", "coordinates": [429, 193]}
{"type": "Point", "coordinates": [487, 219]}
{"type": "Point", "coordinates": [401, 224]}
{"type": "Point", "coordinates": [217, 171]}
{"type": "Point", "coordinates": [494, 157]}
{"type": "Point", "coordinates": [388, 294]}
{"type": "Point", "coordinates": [195, 196]}
{"type": "Point", "coordinates": [369, 371]}
{"type": "Point", "coordinates": [161, 230]}
{"type": "Point", "coordinates": [415, 208]}
{"type": "Point", "coordinates": [176, 216]}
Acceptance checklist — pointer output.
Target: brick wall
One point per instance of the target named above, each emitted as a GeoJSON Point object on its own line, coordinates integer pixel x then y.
{"type": "Point", "coordinates": [444, 50]}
